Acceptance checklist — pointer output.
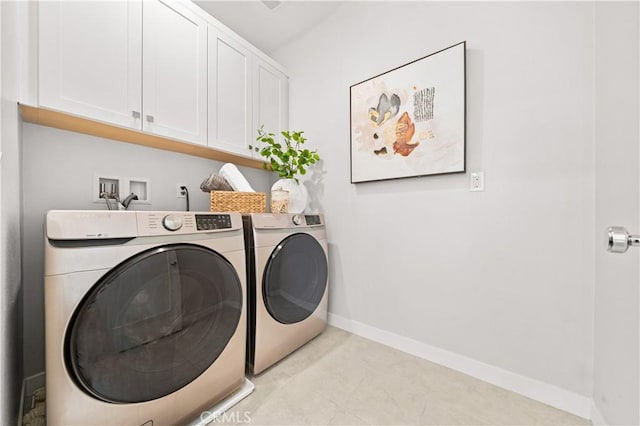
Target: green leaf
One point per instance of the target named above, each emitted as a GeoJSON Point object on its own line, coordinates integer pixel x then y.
{"type": "Point", "coordinates": [285, 155]}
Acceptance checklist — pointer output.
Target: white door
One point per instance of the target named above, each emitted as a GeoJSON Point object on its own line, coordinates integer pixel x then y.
{"type": "Point", "coordinates": [90, 58]}
{"type": "Point", "coordinates": [174, 72]}
{"type": "Point", "coordinates": [230, 125]}
{"type": "Point", "coordinates": [617, 203]}
{"type": "Point", "coordinates": [271, 98]}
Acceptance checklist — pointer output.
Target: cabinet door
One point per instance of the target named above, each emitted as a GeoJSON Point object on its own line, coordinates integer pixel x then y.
{"type": "Point", "coordinates": [90, 59]}
{"type": "Point", "coordinates": [270, 98]}
{"type": "Point", "coordinates": [230, 124]}
{"type": "Point", "coordinates": [174, 90]}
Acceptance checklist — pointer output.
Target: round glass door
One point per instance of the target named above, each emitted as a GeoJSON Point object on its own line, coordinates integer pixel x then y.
{"type": "Point", "coordinates": [295, 279]}
{"type": "Point", "coordinates": [154, 323]}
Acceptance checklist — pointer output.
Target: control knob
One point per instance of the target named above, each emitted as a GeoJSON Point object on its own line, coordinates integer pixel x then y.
{"type": "Point", "coordinates": [298, 219]}
{"type": "Point", "coordinates": [172, 222]}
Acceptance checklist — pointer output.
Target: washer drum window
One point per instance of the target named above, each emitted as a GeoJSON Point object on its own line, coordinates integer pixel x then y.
{"type": "Point", "coordinates": [154, 323]}
{"type": "Point", "coordinates": [295, 279]}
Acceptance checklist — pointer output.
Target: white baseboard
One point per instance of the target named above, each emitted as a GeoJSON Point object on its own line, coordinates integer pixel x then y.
{"type": "Point", "coordinates": [29, 384]}
{"type": "Point", "coordinates": [21, 409]}
{"type": "Point", "coordinates": [546, 393]}
{"type": "Point", "coordinates": [34, 382]}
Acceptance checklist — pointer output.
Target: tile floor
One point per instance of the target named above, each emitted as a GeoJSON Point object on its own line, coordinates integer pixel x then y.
{"type": "Point", "coordinates": [342, 379]}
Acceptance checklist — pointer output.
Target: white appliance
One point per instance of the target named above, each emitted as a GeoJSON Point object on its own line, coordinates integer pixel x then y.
{"type": "Point", "coordinates": [144, 315]}
{"type": "Point", "coordinates": [288, 284]}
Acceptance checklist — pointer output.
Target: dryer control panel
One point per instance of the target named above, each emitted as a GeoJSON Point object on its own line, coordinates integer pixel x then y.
{"type": "Point", "coordinates": [313, 219]}
{"type": "Point", "coordinates": [286, 221]}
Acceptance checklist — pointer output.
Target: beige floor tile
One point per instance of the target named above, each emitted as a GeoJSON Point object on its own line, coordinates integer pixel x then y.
{"type": "Point", "coordinates": [436, 413]}
{"type": "Point", "coordinates": [293, 407]}
{"type": "Point", "coordinates": [376, 403]}
{"type": "Point", "coordinates": [342, 379]}
{"type": "Point", "coordinates": [259, 397]}
{"type": "Point", "coordinates": [345, 419]}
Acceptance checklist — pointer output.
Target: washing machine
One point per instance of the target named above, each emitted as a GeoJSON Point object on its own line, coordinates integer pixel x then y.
{"type": "Point", "coordinates": [287, 271]}
{"type": "Point", "coordinates": [145, 317]}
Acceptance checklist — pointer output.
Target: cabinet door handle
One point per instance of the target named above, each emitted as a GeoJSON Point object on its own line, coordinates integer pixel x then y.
{"type": "Point", "coordinates": [150, 118]}
{"type": "Point", "coordinates": [135, 114]}
{"type": "Point", "coordinates": [256, 149]}
{"type": "Point", "coordinates": [250, 146]}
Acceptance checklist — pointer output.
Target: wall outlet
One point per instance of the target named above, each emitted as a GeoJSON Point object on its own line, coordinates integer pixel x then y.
{"type": "Point", "coordinates": [476, 182]}
{"type": "Point", "coordinates": [180, 193]}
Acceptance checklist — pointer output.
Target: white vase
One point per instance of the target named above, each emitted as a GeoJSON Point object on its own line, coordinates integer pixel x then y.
{"type": "Point", "coordinates": [298, 195]}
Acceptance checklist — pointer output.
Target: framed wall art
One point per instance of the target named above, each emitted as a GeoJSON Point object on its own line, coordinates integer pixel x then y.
{"type": "Point", "coordinates": [410, 121]}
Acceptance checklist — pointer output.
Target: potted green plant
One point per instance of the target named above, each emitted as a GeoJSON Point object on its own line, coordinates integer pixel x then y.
{"type": "Point", "coordinates": [289, 159]}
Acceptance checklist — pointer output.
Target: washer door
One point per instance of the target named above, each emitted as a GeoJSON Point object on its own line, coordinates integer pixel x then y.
{"type": "Point", "coordinates": [295, 279]}
{"type": "Point", "coordinates": [154, 323]}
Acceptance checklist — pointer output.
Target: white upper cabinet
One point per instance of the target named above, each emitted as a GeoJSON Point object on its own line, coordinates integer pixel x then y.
{"type": "Point", "coordinates": [160, 66]}
{"type": "Point", "coordinates": [230, 92]}
{"type": "Point", "coordinates": [136, 64]}
{"type": "Point", "coordinates": [270, 98]}
{"type": "Point", "coordinates": [90, 59]}
{"type": "Point", "coordinates": [174, 72]}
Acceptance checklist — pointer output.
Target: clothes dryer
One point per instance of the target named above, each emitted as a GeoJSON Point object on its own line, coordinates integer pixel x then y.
{"type": "Point", "coordinates": [288, 284]}
{"type": "Point", "coordinates": [145, 319]}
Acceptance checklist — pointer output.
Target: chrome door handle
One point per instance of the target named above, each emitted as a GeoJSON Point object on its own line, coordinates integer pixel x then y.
{"type": "Point", "coordinates": [619, 240]}
{"type": "Point", "coordinates": [135, 114]}
{"type": "Point", "coordinates": [150, 118]}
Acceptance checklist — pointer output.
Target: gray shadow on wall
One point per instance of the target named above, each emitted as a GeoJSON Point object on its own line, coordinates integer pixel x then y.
{"type": "Point", "coordinates": [475, 110]}
{"type": "Point", "coordinates": [315, 187]}
{"type": "Point", "coordinates": [338, 303]}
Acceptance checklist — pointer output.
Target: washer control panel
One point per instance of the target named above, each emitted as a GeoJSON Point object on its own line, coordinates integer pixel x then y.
{"type": "Point", "coordinates": [150, 223]}
{"type": "Point", "coordinates": [206, 222]}
{"type": "Point", "coordinates": [172, 222]}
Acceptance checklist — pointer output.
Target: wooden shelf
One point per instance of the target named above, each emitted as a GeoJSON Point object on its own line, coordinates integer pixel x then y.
{"type": "Point", "coordinates": [60, 120]}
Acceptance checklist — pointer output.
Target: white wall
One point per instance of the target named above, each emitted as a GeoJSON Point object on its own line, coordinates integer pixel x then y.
{"type": "Point", "coordinates": [617, 296]}
{"type": "Point", "coordinates": [10, 224]}
{"type": "Point", "coordinates": [58, 173]}
{"type": "Point", "coordinates": [503, 276]}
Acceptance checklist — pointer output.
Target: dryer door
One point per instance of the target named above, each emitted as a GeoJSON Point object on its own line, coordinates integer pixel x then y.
{"type": "Point", "coordinates": [154, 323]}
{"type": "Point", "coordinates": [295, 278]}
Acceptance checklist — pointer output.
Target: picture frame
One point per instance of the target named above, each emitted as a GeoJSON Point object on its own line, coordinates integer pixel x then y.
{"type": "Point", "coordinates": [411, 121]}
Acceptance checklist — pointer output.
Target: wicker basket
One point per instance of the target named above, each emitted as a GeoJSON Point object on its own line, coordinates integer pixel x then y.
{"type": "Point", "coordinates": [243, 202]}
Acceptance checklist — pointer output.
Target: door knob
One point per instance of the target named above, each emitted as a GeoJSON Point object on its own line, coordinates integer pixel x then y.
{"type": "Point", "coordinates": [619, 239]}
